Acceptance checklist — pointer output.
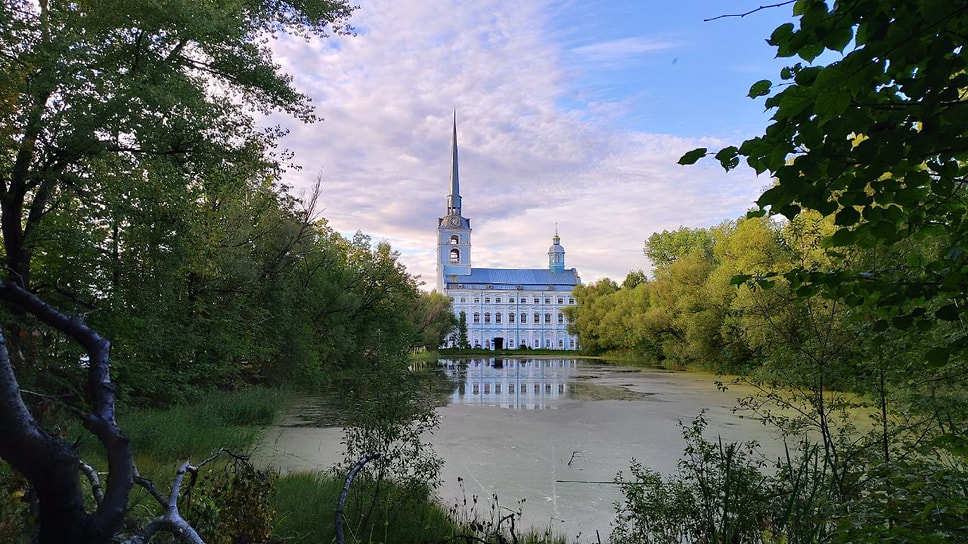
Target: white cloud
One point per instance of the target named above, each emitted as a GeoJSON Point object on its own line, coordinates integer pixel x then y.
{"type": "Point", "coordinates": [527, 163]}
{"type": "Point", "coordinates": [615, 50]}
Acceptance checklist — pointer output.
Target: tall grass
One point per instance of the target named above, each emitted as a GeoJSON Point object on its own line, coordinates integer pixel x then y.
{"type": "Point", "coordinates": [305, 504]}
{"type": "Point", "coordinates": [222, 420]}
{"type": "Point", "coordinates": [161, 438]}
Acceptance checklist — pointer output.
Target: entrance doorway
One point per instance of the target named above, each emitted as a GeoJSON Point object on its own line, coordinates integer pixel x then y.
{"type": "Point", "coordinates": [498, 343]}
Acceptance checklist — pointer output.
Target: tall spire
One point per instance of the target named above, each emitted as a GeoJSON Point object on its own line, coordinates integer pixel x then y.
{"type": "Point", "coordinates": [453, 199]}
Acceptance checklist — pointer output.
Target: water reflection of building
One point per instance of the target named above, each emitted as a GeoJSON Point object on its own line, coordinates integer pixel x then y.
{"type": "Point", "coordinates": [510, 383]}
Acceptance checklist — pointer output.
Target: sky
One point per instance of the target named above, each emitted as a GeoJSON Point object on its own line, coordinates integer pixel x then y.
{"type": "Point", "coordinates": [571, 114]}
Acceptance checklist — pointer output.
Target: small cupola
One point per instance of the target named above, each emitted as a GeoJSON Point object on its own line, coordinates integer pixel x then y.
{"type": "Point", "coordinates": [556, 255]}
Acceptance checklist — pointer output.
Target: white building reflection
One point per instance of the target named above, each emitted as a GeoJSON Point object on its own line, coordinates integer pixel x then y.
{"type": "Point", "coordinates": [526, 384]}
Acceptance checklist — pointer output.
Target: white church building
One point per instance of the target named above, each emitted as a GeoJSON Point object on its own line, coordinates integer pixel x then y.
{"type": "Point", "coordinates": [505, 308]}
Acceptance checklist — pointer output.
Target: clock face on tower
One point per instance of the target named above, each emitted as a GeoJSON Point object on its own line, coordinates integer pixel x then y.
{"type": "Point", "coordinates": [454, 221]}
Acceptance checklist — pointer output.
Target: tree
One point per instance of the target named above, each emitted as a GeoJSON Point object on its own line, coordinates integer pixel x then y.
{"type": "Point", "coordinates": [878, 139]}
{"type": "Point", "coordinates": [870, 134]}
{"type": "Point", "coordinates": [668, 246]}
{"type": "Point", "coordinates": [99, 101]}
{"type": "Point", "coordinates": [433, 319]}
{"type": "Point", "coordinates": [462, 341]}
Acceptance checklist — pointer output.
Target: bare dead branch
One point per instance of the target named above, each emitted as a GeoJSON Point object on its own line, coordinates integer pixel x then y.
{"type": "Point", "coordinates": [100, 392]}
{"type": "Point", "coordinates": [171, 520]}
{"type": "Point", "coordinates": [340, 538]}
{"type": "Point", "coordinates": [750, 12]}
{"type": "Point", "coordinates": [95, 479]}
{"type": "Point", "coordinates": [152, 490]}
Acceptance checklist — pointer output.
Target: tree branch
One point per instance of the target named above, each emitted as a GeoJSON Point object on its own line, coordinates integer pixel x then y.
{"type": "Point", "coordinates": [750, 12]}
{"type": "Point", "coordinates": [100, 392]}
{"type": "Point", "coordinates": [340, 538]}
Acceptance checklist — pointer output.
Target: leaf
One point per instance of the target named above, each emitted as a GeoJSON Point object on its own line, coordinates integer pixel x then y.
{"type": "Point", "coordinates": [902, 322]}
{"type": "Point", "coordinates": [843, 237]}
{"type": "Point", "coordinates": [760, 88]}
{"type": "Point", "coordinates": [781, 37]}
{"type": "Point", "coordinates": [838, 38]}
{"type": "Point", "coordinates": [831, 105]}
{"type": "Point", "coordinates": [937, 356]}
{"type": "Point", "coordinates": [810, 51]}
{"type": "Point", "coordinates": [728, 157]}
{"type": "Point", "coordinates": [690, 157]}
{"type": "Point", "coordinates": [793, 102]}
{"type": "Point", "coordinates": [847, 216]}
{"type": "Point", "coordinates": [739, 279]}
{"type": "Point", "coordinates": [947, 313]}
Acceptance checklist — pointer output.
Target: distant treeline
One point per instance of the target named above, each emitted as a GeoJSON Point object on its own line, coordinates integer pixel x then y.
{"type": "Point", "coordinates": [720, 299]}
{"type": "Point", "coordinates": [225, 281]}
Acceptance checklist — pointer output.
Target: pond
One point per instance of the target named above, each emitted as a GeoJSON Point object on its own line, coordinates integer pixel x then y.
{"type": "Point", "coordinates": [547, 435]}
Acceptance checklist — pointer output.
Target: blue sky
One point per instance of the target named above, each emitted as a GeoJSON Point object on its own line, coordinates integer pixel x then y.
{"type": "Point", "coordinates": [569, 112]}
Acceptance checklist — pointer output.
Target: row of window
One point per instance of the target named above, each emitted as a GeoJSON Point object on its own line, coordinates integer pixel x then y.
{"type": "Point", "coordinates": [476, 388]}
{"type": "Point", "coordinates": [524, 318]}
{"type": "Point", "coordinates": [511, 300]}
{"type": "Point", "coordinates": [489, 344]}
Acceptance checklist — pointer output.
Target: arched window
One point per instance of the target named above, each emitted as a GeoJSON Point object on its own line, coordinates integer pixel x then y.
{"type": "Point", "coordinates": [497, 317]}
{"type": "Point", "coordinates": [454, 239]}
{"type": "Point", "coordinates": [510, 318]}
{"type": "Point", "coordinates": [454, 256]}
{"type": "Point", "coordinates": [524, 318]}
{"type": "Point", "coordinates": [487, 317]}
{"type": "Point", "coordinates": [537, 318]}
{"type": "Point", "coordinates": [547, 318]}
{"type": "Point", "coordinates": [561, 319]}
{"type": "Point", "coordinates": [477, 317]}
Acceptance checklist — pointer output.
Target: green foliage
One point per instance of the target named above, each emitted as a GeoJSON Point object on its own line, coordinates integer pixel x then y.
{"type": "Point", "coordinates": [305, 502]}
{"type": "Point", "coordinates": [717, 495]}
{"type": "Point", "coordinates": [165, 437]}
{"type": "Point", "coordinates": [231, 503]}
{"type": "Point", "coordinates": [855, 305]}
{"type": "Point", "coordinates": [390, 411]}
{"type": "Point", "coordinates": [15, 516]}
{"type": "Point", "coordinates": [433, 319]}
{"type": "Point", "coordinates": [666, 247]}
{"type": "Point", "coordinates": [462, 342]}
{"type": "Point", "coordinates": [221, 420]}
{"type": "Point", "coordinates": [144, 196]}
{"type": "Point", "coordinates": [876, 139]}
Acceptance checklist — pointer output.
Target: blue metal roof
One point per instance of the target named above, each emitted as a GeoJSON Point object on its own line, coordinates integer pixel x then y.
{"type": "Point", "coordinates": [513, 277]}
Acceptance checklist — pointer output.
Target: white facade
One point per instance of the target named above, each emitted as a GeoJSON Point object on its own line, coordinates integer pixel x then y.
{"type": "Point", "coordinates": [504, 308]}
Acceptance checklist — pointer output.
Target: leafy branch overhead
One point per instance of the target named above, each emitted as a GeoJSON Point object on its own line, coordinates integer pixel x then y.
{"type": "Point", "coordinates": [870, 127]}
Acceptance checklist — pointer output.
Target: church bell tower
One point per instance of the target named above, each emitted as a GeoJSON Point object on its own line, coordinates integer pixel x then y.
{"type": "Point", "coordinates": [453, 232]}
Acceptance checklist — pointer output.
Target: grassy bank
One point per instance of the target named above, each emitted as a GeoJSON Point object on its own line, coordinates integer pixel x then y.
{"type": "Point", "coordinates": [624, 357]}
{"type": "Point", "coordinates": [232, 501]}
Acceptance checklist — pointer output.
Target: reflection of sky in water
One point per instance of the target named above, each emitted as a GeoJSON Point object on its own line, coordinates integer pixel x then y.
{"type": "Point", "coordinates": [525, 384]}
